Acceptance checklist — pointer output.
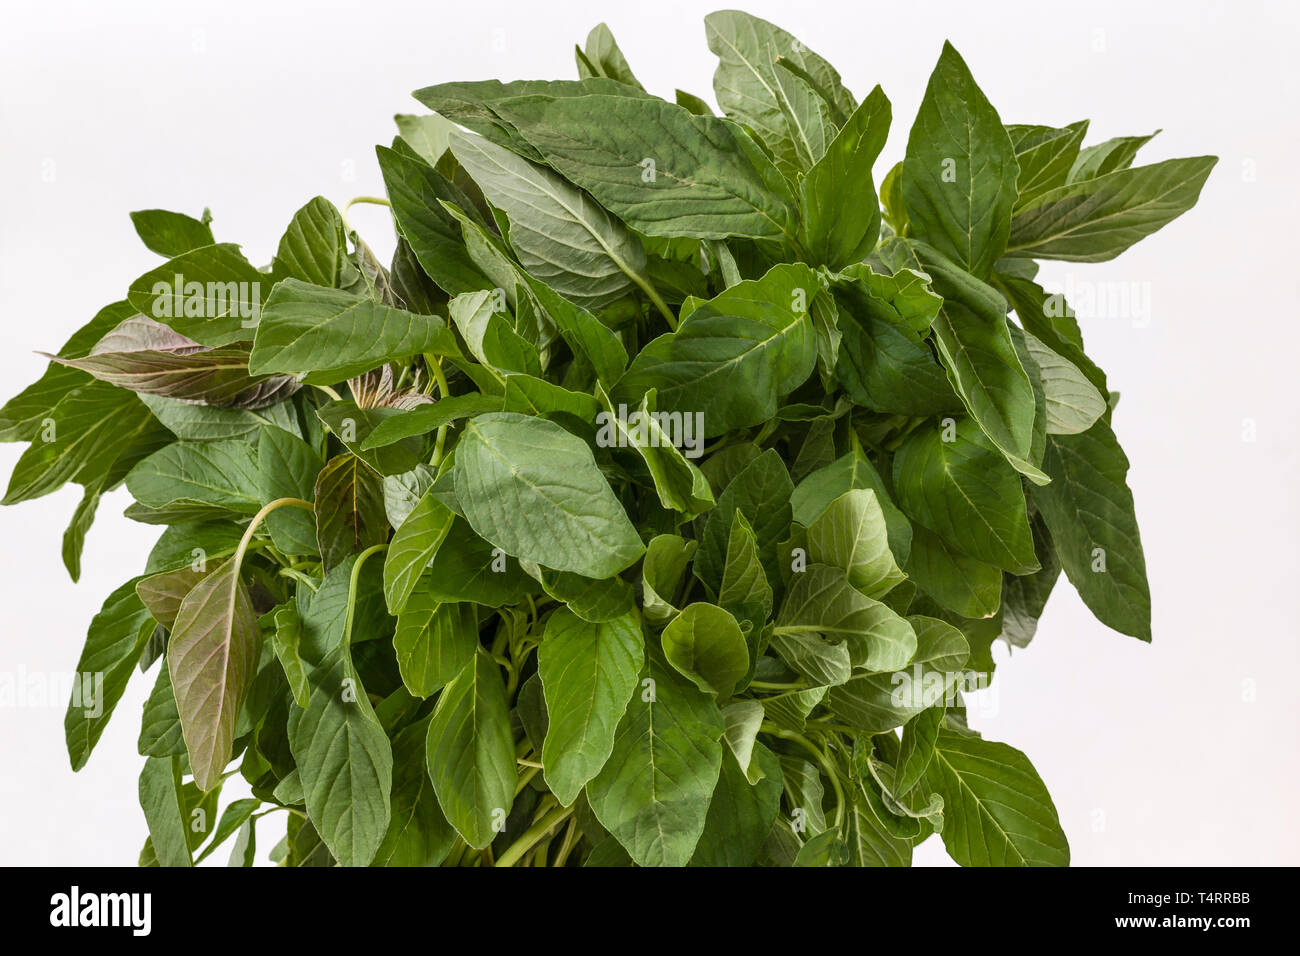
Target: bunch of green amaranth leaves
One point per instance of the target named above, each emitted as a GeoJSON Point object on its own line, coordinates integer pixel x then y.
{"type": "Point", "coordinates": [657, 505]}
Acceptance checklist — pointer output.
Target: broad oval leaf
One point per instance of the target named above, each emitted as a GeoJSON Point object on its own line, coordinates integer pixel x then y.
{"type": "Point", "coordinates": [705, 644]}
{"type": "Point", "coordinates": [653, 793]}
{"type": "Point", "coordinates": [562, 236]}
{"type": "Point", "coordinates": [588, 673]}
{"type": "Point", "coordinates": [350, 512]}
{"type": "Point", "coordinates": [471, 751]}
{"type": "Point", "coordinates": [344, 760]}
{"type": "Point", "coordinates": [532, 489]}
{"type": "Point", "coordinates": [734, 356]}
{"type": "Point", "coordinates": [950, 478]}
{"type": "Point", "coordinates": [212, 656]}
{"type": "Point", "coordinates": [666, 171]}
{"type": "Point", "coordinates": [996, 810]}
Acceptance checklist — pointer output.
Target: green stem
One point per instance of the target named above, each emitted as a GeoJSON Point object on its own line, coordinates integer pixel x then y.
{"type": "Point", "coordinates": [570, 841]}
{"type": "Point", "coordinates": [770, 685]}
{"type": "Point", "coordinates": [352, 589]}
{"type": "Point", "coordinates": [435, 366]}
{"type": "Point", "coordinates": [301, 578]}
{"type": "Point", "coordinates": [658, 301]}
{"type": "Point", "coordinates": [533, 835]}
{"type": "Point", "coordinates": [258, 518]}
{"type": "Point", "coordinates": [819, 756]}
{"type": "Point", "coordinates": [329, 391]}
{"type": "Point", "coordinates": [525, 777]}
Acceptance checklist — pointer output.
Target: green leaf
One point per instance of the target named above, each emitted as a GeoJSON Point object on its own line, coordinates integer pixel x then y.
{"type": "Point", "coordinates": [851, 471]}
{"type": "Point", "coordinates": [424, 419]}
{"type": "Point", "coordinates": [476, 104]}
{"type": "Point", "coordinates": [653, 793]}
{"type": "Point", "coordinates": [666, 559]}
{"type": "Point", "coordinates": [427, 135]}
{"type": "Point", "coordinates": [287, 637]}
{"type": "Point", "coordinates": [680, 485]}
{"type": "Point", "coordinates": [287, 467]}
{"type": "Point", "coordinates": [996, 810]}
{"type": "Point", "coordinates": [851, 534]}
{"type": "Point", "coordinates": [211, 294]}
{"type": "Point", "coordinates": [164, 811]}
{"type": "Point", "coordinates": [745, 591]}
{"type": "Point", "coordinates": [413, 547]}
{"type": "Point", "coordinates": [876, 703]}
{"type": "Point", "coordinates": [917, 747]}
{"type": "Point", "coordinates": [1045, 155]}
{"type": "Point", "coordinates": [958, 582]}
{"type": "Point", "coordinates": [205, 423]}
{"type": "Point", "coordinates": [821, 601]}
{"type": "Point", "coordinates": [762, 492]}
{"type": "Point", "coordinates": [471, 752]}
{"type": "Point", "coordinates": [959, 176]}
{"type": "Point", "coordinates": [418, 834]}
{"type": "Point", "coordinates": [581, 331]}
{"type": "Point", "coordinates": [233, 818]}
{"type": "Point", "coordinates": [975, 347]}
{"type": "Point", "coordinates": [325, 335]}
{"type": "Point", "coordinates": [743, 719]}
{"type": "Point", "coordinates": [434, 640]}
{"type": "Point", "coordinates": [93, 432]}
{"type": "Point", "coordinates": [741, 812]}
{"type": "Point", "coordinates": [705, 644]}
{"type": "Point", "coordinates": [532, 489]}
{"type": "Point", "coordinates": [488, 331]}
{"type": "Point", "coordinates": [417, 192]}
{"type": "Point", "coordinates": [883, 364]}
{"type": "Point", "coordinates": [1050, 319]}
{"type": "Point", "coordinates": [951, 479]}
{"type": "Point", "coordinates": [841, 215]}
{"type": "Point", "coordinates": [592, 600]}
{"type": "Point", "coordinates": [345, 762]}
{"type": "Point", "coordinates": [467, 568]}
{"type": "Point", "coordinates": [1106, 157]}
{"type": "Point", "coordinates": [705, 178]}
{"type": "Point", "coordinates": [1025, 596]}
{"type": "Point", "coordinates": [349, 509]}
{"type": "Point", "coordinates": [171, 233]}
{"type": "Point", "coordinates": [1088, 508]}
{"type": "Point", "coordinates": [588, 673]}
{"type": "Point", "coordinates": [605, 58]}
{"type": "Point", "coordinates": [314, 248]}
{"type": "Point", "coordinates": [1097, 219]}
{"type": "Point", "coordinates": [735, 356]}
{"type": "Point", "coordinates": [74, 538]}
{"type": "Point", "coordinates": [561, 236]}
{"type": "Point", "coordinates": [1073, 402]}
{"type": "Point", "coordinates": [212, 657]}
{"type": "Point", "coordinates": [160, 725]}
{"type": "Point", "coordinates": [869, 843]}
{"type": "Point", "coordinates": [200, 476]}
{"type": "Point", "coordinates": [794, 118]}
{"type": "Point", "coordinates": [22, 416]}
{"type": "Point", "coordinates": [117, 635]}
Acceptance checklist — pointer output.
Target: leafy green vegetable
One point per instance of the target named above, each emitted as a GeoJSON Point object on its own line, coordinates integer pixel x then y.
{"type": "Point", "coordinates": [655, 505]}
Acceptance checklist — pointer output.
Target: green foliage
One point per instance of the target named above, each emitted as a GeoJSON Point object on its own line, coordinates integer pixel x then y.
{"type": "Point", "coordinates": [656, 505]}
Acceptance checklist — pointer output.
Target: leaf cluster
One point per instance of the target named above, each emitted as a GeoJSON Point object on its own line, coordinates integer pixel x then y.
{"type": "Point", "coordinates": [658, 503]}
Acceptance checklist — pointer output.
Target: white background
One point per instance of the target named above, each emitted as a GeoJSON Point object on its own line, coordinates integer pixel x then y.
{"type": "Point", "coordinates": [1181, 752]}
